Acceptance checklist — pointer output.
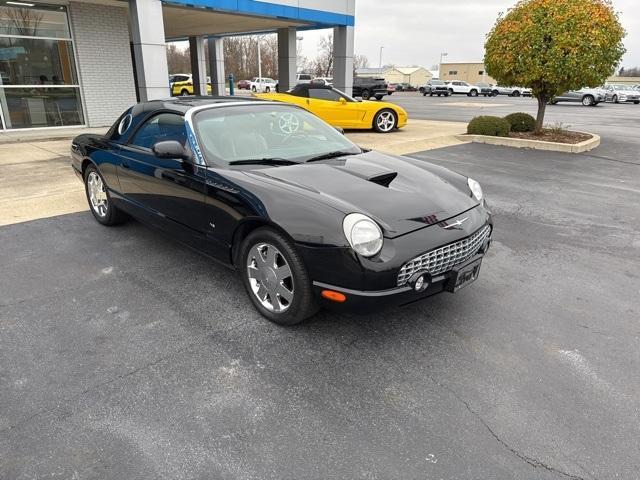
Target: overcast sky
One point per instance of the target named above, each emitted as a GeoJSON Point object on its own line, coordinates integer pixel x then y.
{"type": "Point", "coordinates": [415, 32]}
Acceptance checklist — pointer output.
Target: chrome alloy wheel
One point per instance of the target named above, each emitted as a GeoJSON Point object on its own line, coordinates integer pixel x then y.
{"type": "Point", "coordinates": [97, 194]}
{"type": "Point", "coordinates": [270, 277]}
{"type": "Point", "coordinates": [386, 121]}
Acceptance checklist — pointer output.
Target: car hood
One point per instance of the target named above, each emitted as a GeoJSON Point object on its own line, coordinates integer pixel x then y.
{"type": "Point", "coordinates": [401, 194]}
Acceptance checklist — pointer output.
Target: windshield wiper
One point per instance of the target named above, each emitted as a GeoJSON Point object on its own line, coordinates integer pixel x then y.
{"type": "Point", "coordinates": [263, 161]}
{"type": "Point", "coordinates": [327, 156]}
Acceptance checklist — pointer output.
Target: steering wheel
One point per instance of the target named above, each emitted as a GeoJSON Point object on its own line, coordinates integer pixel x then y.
{"type": "Point", "coordinates": [288, 123]}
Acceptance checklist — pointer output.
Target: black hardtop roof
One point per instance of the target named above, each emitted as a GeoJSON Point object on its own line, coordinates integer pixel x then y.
{"type": "Point", "coordinates": [184, 104]}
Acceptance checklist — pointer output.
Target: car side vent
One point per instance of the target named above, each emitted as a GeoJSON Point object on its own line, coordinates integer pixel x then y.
{"type": "Point", "coordinates": [385, 179]}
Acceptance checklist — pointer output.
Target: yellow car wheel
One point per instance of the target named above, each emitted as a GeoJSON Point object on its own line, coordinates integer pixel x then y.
{"type": "Point", "coordinates": [385, 121]}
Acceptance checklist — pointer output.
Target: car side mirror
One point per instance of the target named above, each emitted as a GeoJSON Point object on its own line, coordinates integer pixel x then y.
{"type": "Point", "coordinates": [343, 100]}
{"type": "Point", "coordinates": [171, 149]}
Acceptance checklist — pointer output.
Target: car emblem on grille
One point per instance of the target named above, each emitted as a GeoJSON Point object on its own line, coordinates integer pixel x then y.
{"type": "Point", "coordinates": [457, 224]}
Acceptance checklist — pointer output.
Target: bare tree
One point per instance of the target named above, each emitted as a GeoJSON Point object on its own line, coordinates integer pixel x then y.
{"type": "Point", "coordinates": [241, 56]}
{"type": "Point", "coordinates": [322, 65]}
{"type": "Point", "coordinates": [178, 59]}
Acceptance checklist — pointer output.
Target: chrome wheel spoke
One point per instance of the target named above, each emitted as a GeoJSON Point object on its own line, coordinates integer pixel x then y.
{"type": "Point", "coordinates": [284, 292]}
{"type": "Point", "coordinates": [262, 292]}
{"type": "Point", "coordinates": [271, 256]}
{"type": "Point", "coordinates": [283, 272]}
{"type": "Point", "coordinates": [258, 257]}
{"type": "Point", "coordinates": [254, 273]}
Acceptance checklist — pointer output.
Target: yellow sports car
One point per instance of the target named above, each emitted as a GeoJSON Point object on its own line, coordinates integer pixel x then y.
{"type": "Point", "coordinates": [186, 88]}
{"type": "Point", "coordinates": [340, 110]}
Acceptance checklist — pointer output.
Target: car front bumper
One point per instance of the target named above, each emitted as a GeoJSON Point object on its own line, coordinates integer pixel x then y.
{"type": "Point", "coordinates": [367, 301]}
{"type": "Point", "coordinates": [375, 283]}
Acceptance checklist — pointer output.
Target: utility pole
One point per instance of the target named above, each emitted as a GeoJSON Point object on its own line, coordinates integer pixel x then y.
{"type": "Point", "coordinates": [381, 48]}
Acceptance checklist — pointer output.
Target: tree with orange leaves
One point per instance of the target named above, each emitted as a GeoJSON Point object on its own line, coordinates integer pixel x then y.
{"type": "Point", "coordinates": [553, 46]}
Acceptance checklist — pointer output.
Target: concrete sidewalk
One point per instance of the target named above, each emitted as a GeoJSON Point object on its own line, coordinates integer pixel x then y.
{"type": "Point", "coordinates": [38, 182]}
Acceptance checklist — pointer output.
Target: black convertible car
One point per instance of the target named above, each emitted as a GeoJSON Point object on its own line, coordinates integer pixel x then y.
{"type": "Point", "coordinates": [307, 217]}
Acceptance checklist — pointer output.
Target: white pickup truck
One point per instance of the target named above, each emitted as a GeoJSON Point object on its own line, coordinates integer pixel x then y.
{"type": "Point", "coordinates": [262, 85]}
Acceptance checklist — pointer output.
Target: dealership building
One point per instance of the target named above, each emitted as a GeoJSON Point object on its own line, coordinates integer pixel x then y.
{"type": "Point", "coordinates": [81, 63]}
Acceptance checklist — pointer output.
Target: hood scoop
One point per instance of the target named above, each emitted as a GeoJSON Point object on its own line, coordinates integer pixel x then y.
{"type": "Point", "coordinates": [361, 168]}
{"type": "Point", "coordinates": [384, 179]}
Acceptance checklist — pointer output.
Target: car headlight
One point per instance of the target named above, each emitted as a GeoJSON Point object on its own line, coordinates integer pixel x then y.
{"type": "Point", "coordinates": [475, 188]}
{"type": "Point", "coordinates": [364, 235]}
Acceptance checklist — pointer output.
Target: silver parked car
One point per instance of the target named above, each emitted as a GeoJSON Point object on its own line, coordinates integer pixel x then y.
{"type": "Point", "coordinates": [622, 94]}
{"type": "Point", "coordinates": [589, 97]}
{"type": "Point", "coordinates": [511, 91]}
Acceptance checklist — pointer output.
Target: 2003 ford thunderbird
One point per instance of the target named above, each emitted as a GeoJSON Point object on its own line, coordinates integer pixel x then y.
{"type": "Point", "coordinates": [308, 218]}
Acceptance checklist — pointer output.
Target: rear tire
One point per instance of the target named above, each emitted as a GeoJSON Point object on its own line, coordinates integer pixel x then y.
{"type": "Point", "coordinates": [99, 199]}
{"type": "Point", "coordinates": [473, 93]}
{"type": "Point", "coordinates": [615, 99]}
{"type": "Point", "coordinates": [184, 93]}
{"type": "Point", "coordinates": [450, 92]}
{"type": "Point", "coordinates": [379, 97]}
{"type": "Point", "coordinates": [366, 95]}
{"type": "Point", "coordinates": [276, 278]}
{"type": "Point", "coordinates": [267, 89]}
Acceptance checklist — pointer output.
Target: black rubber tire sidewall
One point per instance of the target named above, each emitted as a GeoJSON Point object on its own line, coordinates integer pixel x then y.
{"type": "Point", "coordinates": [366, 95]}
{"type": "Point", "coordinates": [304, 304]}
{"type": "Point", "coordinates": [114, 216]}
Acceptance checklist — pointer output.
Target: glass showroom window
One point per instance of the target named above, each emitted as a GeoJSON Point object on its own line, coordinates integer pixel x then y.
{"type": "Point", "coordinates": [38, 78]}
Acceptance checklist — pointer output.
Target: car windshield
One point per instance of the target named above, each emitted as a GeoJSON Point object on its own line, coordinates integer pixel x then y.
{"type": "Point", "coordinates": [266, 131]}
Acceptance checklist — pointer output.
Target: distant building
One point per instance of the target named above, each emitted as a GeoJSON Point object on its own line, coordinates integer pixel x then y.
{"type": "Point", "coordinates": [416, 76]}
{"type": "Point", "coordinates": [470, 72]}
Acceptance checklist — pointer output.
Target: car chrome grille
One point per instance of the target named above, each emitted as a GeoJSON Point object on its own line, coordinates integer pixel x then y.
{"type": "Point", "coordinates": [445, 258]}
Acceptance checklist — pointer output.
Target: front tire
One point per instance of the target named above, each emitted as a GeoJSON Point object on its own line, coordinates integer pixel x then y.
{"type": "Point", "coordinates": [184, 92]}
{"type": "Point", "coordinates": [385, 121]}
{"type": "Point", "coordinates": [254, 89]}
{"type": "Point", "coordinates": [366, 95]}
{"type": "Point", "coordinates": [473, 93]}
{"type": "Point", "coordinates": [267, 89]}
{"type": "Point", "coordinates": [588, 100]}
{"type": "Point", "coordinates": [380, 97]}
{"type": "Point", "coordinates": [275, 278]}
{"type": "Point", "coordinates": [100, 202]}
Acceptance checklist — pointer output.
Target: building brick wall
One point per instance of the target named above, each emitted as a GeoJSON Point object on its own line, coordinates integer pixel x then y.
{"type": "Point", "coordinates": [101, 34]}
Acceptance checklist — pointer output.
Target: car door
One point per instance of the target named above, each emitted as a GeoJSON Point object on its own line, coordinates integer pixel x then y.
{"type": "Point", "coordinates": [165, 191]}
{"type": "Point", "coordinates": [335, 109]}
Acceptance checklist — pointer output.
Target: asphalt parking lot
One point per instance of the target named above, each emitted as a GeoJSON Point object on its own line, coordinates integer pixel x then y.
{"type": "Point", "coordinates": [123, 356]}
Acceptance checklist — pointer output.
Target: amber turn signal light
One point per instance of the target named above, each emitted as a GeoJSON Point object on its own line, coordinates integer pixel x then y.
{"type": "Point", "coordinates": [334, 296]}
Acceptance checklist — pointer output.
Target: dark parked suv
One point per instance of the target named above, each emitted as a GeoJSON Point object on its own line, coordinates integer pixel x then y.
{"type": "Point", "coordinates": [369, 87]}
